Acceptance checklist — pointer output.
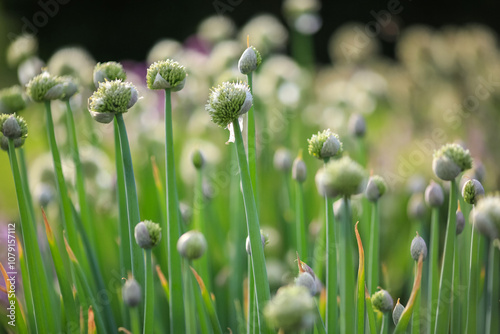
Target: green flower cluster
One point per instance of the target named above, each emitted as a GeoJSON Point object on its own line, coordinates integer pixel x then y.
{"type": "Point", "coordinates": [166, 74]}
{"type": "Point", "coordinates": [12, 127]}
{"type": "Point", "coordinates": [325, 145]}
{"type": "Point", "coordinates": [342, 177]}
{"type": "Point", "coordinates": [111, 98]}
{"type": "Point", "coordinates": [45, 87]}
{"type": "Point", "coordinates": [229, 101]}
{"type": "Point", "coordinates": [108, 71]}
{"type": "Point", "coordinates": [147, 234]}
{"type": "Point", "coordinates": [12, 100]}
{"type": "Point", "coordinates": [450, 160]}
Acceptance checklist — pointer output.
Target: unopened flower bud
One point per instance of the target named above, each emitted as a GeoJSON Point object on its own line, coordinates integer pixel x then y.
{"type": "Point", "coordinates": [166, 74]}
{"type": "Point", "coordinates": [299, 169]}
{"type": "Point", "coordinates": [450, 160]}
{"type": "Point", "coordinates": [282, 160]}
{"type": "Point", "coordinates": [357, 125]}
{"type": "Point", "coordinates": [375, 188]}
{"type": "Point", "coordinates": [250, 60]}
{"type": "Point", "coordinates": [472, 191]}
{"type": "Point", "coordinates": [325, 145]}
{"type": "Point", "coordinates": [108, 71]}
{"type": "Point", "coordinates": [228, 102]}
{"type": "Point", "coordinates": [192, 245]}
{"type": "Point", "coordinates": [147, 234]}
{"type": "Point", "coordinates": [434, 195]}
{"type": "Point", "coordinates": [131, 293]}
{"type": "Point", "coordinates": [382, 301]}
{"type": "Point", "coordinates": [308, 281]}
{"type": "Point", "coordinates": [198, 159]}
{"type": "Point", "coordinates": [12, 127]}
{"type": "Point", "coordinates": [460, 221]}
{"type": "Point", "coordinates": [397, 312]}
{"type": "Point", "coordinates": [292, 309]}
{"type": "Point", "coordinates": [418, 247]}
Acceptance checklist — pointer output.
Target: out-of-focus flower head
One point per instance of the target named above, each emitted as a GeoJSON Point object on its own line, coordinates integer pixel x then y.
{"type": "Point", "coordinates": [216, 28]}
{"type": "Point", "coordinates": [351, 44]}
{"type": "Point", "coordinates": [164, 49]}
{"type": "Point", "coordinates": [21, 49]}
{"type": "Point", "coordinates": [73, 61]}
{"type": "Point", "coordinates": [266, 33]}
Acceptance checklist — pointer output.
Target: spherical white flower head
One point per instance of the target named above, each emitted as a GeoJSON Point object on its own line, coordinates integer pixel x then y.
{"type": "Point", "coordinates": [292, 309]}
{"type": "Point", "coordinates": [192, 245]}
{"type": "Point", "coordinates": [450, 160]}
{"type": "Point", "coordinates": [341, 177]}
{"type": "Point", "coordinates": [228, 102]}
{"type": "Point", "coordinates": [166, 74]}
{"type": "Point", "coordinates": [45, 87]}
{"type": "Point", "coordinates": [486, 216]}
{"type": "Point", "coordinates": [325, 145]}
{"type": "Point", "coordinates": [112, 97]}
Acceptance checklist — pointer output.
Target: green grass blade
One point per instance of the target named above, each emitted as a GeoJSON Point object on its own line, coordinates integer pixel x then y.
{"type": "Point", "coordinates": [28, 297]}
{"type": "Point", "coordinates": [320, 326]}
{"type": "Point", "coordinates": [346, 286]}
{"type": "Point", "coordinates": [20, 317]}
{"type": "Point", "coordinates": [373, 258]}
{"type": "Point", "coordinates": [446, 281]}
{"type": "Point", "coordinates": [173, 230]}
{"type": "Point", "coordinates": [473, 287]}
{"type": "Point", "coordinates": [372, 323]}
{"type": "Point", "coordinates": [493, 288]}
{"type": "Point", "coordinates": [331, 270]}
{"type": "Point", "coordinates": [407, 313]}
{"type": "Point", "coordinates": [208, 304]}
{"type": "Point", "coordinates": [259, 265]}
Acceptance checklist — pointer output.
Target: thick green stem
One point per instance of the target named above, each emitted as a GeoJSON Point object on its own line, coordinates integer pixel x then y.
{"type": "Point", "coordinates": [415, 318]}
{"type": "Point", "coordinates": [150, 295]}
{"type": "Point", "coordinates": [492, 308]}
{"type": "Point", "coordinates": [446, 281]}
{"type": "Point", "coordinates": [455, 313]}
{"type": "Point", "coordinates": [174, 269]}
{"type": "Point", "coordinates": [137, 259]}
{"type": "Point", "coordinates": [202, 266]}
{"type": "Point", "coordinates": [252, 145]}
{"type": "Point", "coordinates": [433, 278]}
{"type": "Point", "coordinates": [300, 227]}
{"type": "Point", "coordinates": [67, 218]}
{"type": "Point", "coordinates": [346, 286]}
{"type": "Point", "coordinates": [373, 259]}
{"type": "Point", "coordinates": [253, 226]}
{"type": "Point", "coordinates": [473, 288]}
{"type": "Point", "coordinates": [252, 319]}
{"type": "Point", "coordinates": [331, 269]}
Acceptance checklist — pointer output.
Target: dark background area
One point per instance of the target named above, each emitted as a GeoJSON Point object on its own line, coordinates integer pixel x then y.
{"type": "Point", "coordinates": [127, 29]}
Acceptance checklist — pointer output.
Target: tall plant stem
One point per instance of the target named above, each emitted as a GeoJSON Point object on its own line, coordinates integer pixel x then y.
{"type": "Point", "coordinates": [67, 218]}
{"type": "Point", "coordinates": [373, 273]}
{"type": "Point", "coordinates": [331, 269]}
{"type": "Point", "coordinates": [150, 294]}
{"type": "Point", "coordinates": [346, 286]}
{"type": "Point", "coordinates": [80, 183]}
{"type": "Point", "coordinates": [137, 259]}
{"type": "Point", "coordinates": [173, 232]}
{"type": "Point", "coordinates": [446, 281]}
{"type": "Point", "coordinates": [433, 278]}
{"type": "Point", "coordinates": [258, 261]}
{"type": "Point", "coordinates": [473, 288]}
{"type": "Point", "coordinates": [492, 309]}
{"type": "Point", "coordinates": [301, 228]}
{"type": "Point", "coordinates": [32, 250]}
{"type": "Point", "coordinates": [251, 142]}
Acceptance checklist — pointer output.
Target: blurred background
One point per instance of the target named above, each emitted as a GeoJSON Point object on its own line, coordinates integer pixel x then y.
{"type": "Point", "coordinates": [420, 74]}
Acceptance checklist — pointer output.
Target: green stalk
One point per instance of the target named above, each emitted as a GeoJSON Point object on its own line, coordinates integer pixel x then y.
{"type": "Point", "coordinates": [372, 323]}
{"type": "Point", "coordinates": [200, 308]}
{"type": "Point", "coordinates": [446, 281]}
{"type": "Point", "coordinates": [80, 183]}
{"type": "Point", "coordinates": [492, 309]}
{"type": "Point", "coordinates": [20, 317]}
{"type": "Point", "coordinates": [252, 149]}
{"type": "Point", "coordinates": [173, 232]}
{"type": "Point", "coordinates": [149, 302]}
{"type": "Point", "coordinates": [252, 319]}
{"type": "Point", "coordinates": [347, 297]}
{"type": "Point", "coordinates": [137, 259]}
{"type": "Point", "coordinates": [385, 323]}
{"type": "Point", "coordinates": [64, 283]}
{"type": "Point", "coordinates": [320, 326]}
{"type": "Point", "coordinates": [433, 278]}
{"type": "Point", "coordinates": [64, 199]}
{"type": "Point", "coordinates": [28, 296]}
{"type": "Point", "coordinates": [455, 313]}
{"type": "Point", "coordinates": [361, 284]}
{"type": "Point", "coordinates": [30, 243]}
{"type": "Point", "coordinates": [331, 269]}
{"type": "Point", "coordinates": [301, 229]}
{"type": "Point", "coordinates": [415, 320]}
{"type": "Point", "coordinates": [374, 249]}
{"type": "Point", "coordinates": [258, 259]}
{"type": "Point", "coordinates": [473, 287]}
{"type": "Point", "coordinates": [189, 301]}
{"type": "Point", "coordinates": [25, 182]}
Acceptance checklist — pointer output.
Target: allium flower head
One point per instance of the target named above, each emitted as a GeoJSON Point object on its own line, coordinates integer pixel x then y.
{"type": "Point", "coordinates": [22, 48]}
{"type": "Point", "coordinates": [472, 191]}
{"type": "Point", "coordinates": [45, 87]}
{"type": "Point", "coordinates": [166, 74]}
{"type": "Point", "coordinates": [382, 301]}
{"type": "Point", "coordinates": [292, 309]}
{"type": "Point", "coordinates": [250, 60]}
{"type": "Point", "coordinates": [325, 145]}
{"type": "Point", "coordinates": [12, 127]}
{"type": "Point", "coordinates": [341, 177]}
{"type": "Point", "coordinates": [70, 87]}
{"type": "Point", "coordinates": [147, 234]}
{"type": "Point", "coordinates": [450, 160]}
{"type": "Point", "coordinates": [111, 98]}
{"type": "Point", "coordinates": [192, 245]}
{"type": "Point", "coordinates": [228, 102]}
{"type": "Point", "coordinates": [11, 100]}
{"type": "Point", "coordinates": [434, 196]}
{"type": "Point", "coordinates": [375, 188]}
{"type": "Point", "coordinates": [73, 61]}
{"type": "Point", "coordinates": [486, 216]}
{"type": "Point", "coordinates": [109, 71]}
